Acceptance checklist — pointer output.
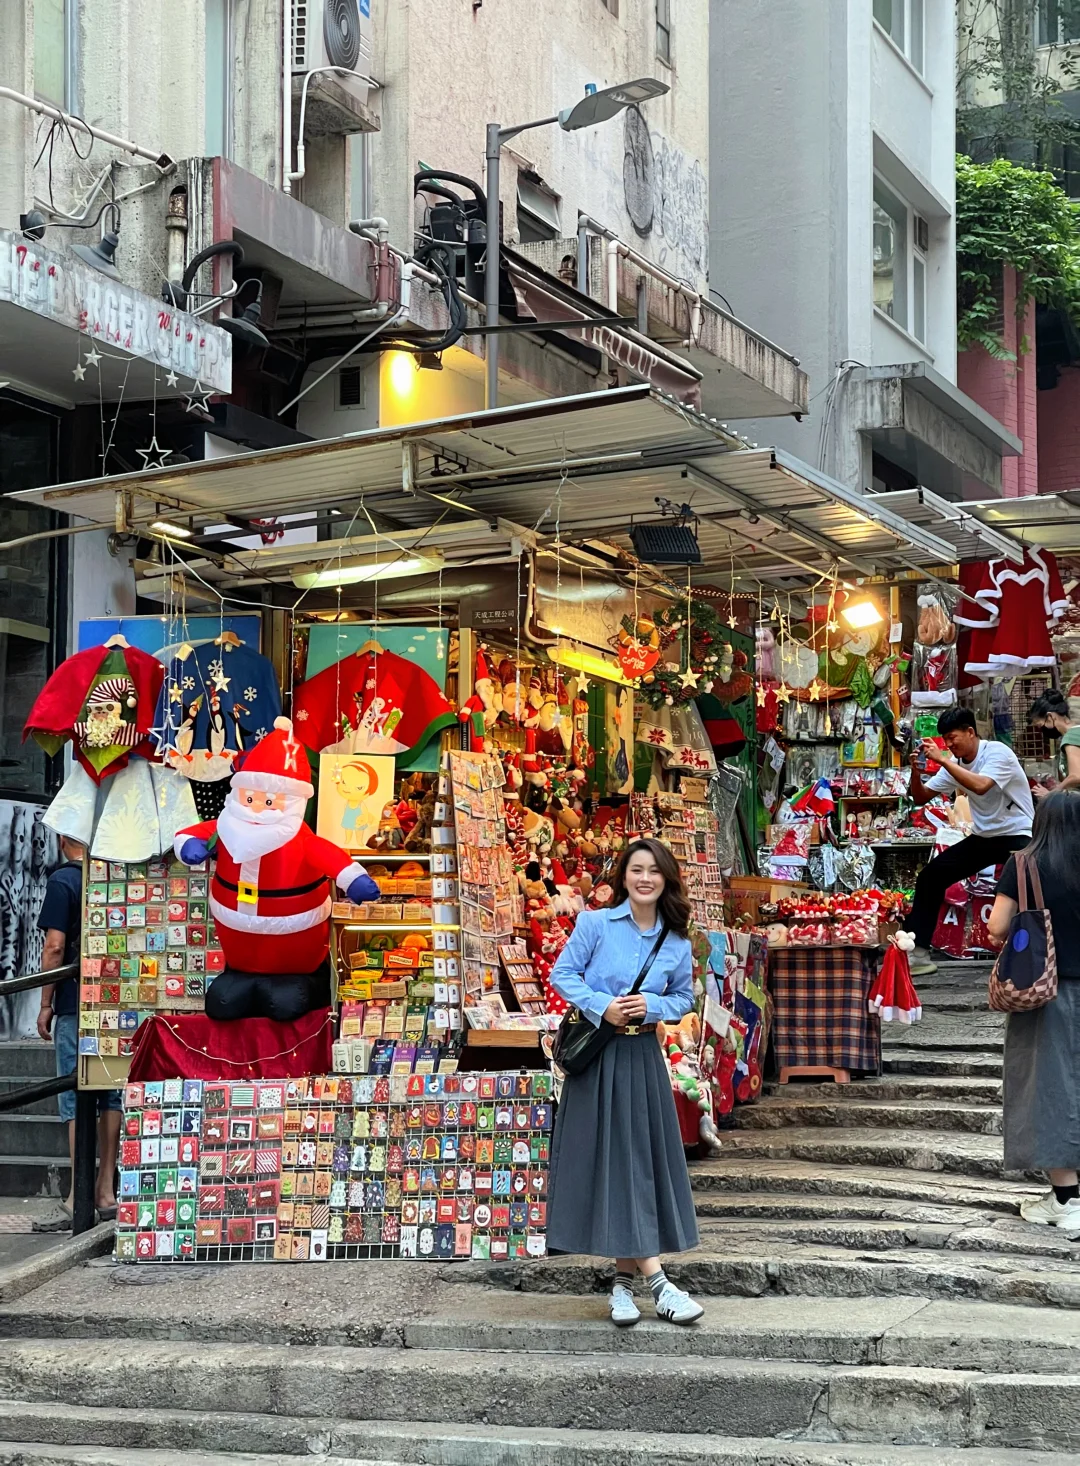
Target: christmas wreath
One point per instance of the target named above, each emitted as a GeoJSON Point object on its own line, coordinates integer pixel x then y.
{"type": "Point", "coordinates": [701, 634]}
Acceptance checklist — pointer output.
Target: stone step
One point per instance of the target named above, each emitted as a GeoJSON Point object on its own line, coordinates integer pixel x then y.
{"type": "Point", "coordinates": [759, 1267]}
{"type": "Point", "coordinates": [88, 1436]}
{"type": "Point", "coordinates": [33, 1135]}
{"type": "Point", "coordinates": [37, 1107]}
{"type": "Point", "coordinates": [27, 1060]}
{"type": "Point", "coordinates": [734, 1174]}
{"type": "Point", "coordinates": [870, 1403]}
{"type": "Point", "coordinates": [939, 1088]}
{"type": "Point", "coordinates": [790, 1205]}
{"type": "Point", "coordinates": [851, 1111]}
{"type": "Point", "coordinates": [926, 1150]}
{"type": "Point", "coordinates": [40, 1175]}
{"type": "Point", "coordinates": [1010, 1237]}
{"type": "Point", "coordinates": [982, 1031]}
{"type": "Point", "coordinates": [947, 1063]}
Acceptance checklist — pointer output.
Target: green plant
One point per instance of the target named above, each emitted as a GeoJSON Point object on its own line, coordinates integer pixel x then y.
{"type": "Point", "coordinates": [1010, 215]}
{"type": "Point", "coordinates": [1008, 91]}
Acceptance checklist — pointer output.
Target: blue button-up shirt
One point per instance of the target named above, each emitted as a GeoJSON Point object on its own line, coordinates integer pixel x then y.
{"type": "Point", "coordinates": [605, 953]}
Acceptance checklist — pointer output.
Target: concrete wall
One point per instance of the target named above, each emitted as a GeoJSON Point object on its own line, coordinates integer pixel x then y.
{"type": "Point", "coordinates": [807, 101]}
{"type": "Point", "coordinates": [1059, 434]}
{"type": "Point", "coordinates": [450, 67]}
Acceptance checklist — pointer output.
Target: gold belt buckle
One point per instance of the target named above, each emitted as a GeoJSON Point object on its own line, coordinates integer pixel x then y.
{"type": "Point", "coordinates": [632, 1028]}
{"type": "Point", "coordinates": [248, 894]}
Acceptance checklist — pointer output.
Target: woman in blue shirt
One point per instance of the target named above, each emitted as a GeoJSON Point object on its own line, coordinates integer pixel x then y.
{"type": "Point", "coordinates": [619, 1185]}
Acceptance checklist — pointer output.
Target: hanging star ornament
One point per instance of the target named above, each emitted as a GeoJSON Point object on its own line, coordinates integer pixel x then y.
{"type": "Point", "coordinates": [220, 681]}
{"type": "Point", "coordinates": [816, 689]}
{"type": "Point", "coordinates": [733, 621]}
{"type": "Point", "coordinates": [783, 693]}
{"type": "Point", "coordinates": [93, 356]}
{"type": "Point", "coordinates": [198, 399]}
{"type": "Point", "coordinates": [583, 684]}
{"type": "Point", "coordinates": [171, 379]}
{"type": "Point", "coordinates": [155, 452]}
{"type": "Point", "coordinates": [78, 372]}
{"type": "Point", "coordinates": [689, 678]}
{"type": "Point", "coordinates": [761, 694]}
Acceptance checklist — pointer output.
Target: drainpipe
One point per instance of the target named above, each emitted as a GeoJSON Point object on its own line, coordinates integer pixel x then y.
{"type": "Point", "coordinates": [583, 255]}
{"type": "Point", "coordinates": [301, 148]}
{"type": "Point", "coordinates": [286, 95]}
{"type": "Point", "coordinates": [176, 230]}
{"type": "Point", "coordinates": [376, 225]}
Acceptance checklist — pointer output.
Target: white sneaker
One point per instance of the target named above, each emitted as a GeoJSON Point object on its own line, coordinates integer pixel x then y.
{"type": "Point", "coordinates": [677, 1306]}
{"type": "Point", "coordinates": [624, 1311]}
{"type": "Point", "coordinates": [1047, 1211]}
{"type": "Point", "coordinates": [920, 963]}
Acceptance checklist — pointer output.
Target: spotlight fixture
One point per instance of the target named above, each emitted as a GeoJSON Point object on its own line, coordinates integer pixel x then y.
{"type": "Point", "coordinates": [244, 328]}
{"type": "Point", "coordinates": [100, 256]}
{"type": "Point", "coordinates": [862, 614]}
{"type": "Point", "coordinates": [171, 531]}
{"type": "Point", "coordinates": [33, 224]}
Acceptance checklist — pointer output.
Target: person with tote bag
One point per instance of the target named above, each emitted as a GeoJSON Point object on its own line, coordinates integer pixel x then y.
{"type": "Point", "coordinates": [1042, 1039]}
{"type": "Point", "coordinates": [618, 1185]}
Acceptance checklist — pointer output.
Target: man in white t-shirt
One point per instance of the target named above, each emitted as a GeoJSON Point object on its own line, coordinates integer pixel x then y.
{"type": "Point", "coordinates": [1001, 812]}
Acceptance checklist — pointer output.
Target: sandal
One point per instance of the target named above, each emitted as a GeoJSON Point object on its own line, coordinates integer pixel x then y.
{"type": "Point", "coordinates": [57, 1220]}
{"type": "Point", "coordinates": [106, 1213]}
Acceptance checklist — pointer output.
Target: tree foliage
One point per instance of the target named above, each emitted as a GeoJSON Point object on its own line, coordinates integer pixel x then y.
{"type": "Point", "coordinates": [1010, 215]}
{"type": "Point", "coordinates": [997, 59]}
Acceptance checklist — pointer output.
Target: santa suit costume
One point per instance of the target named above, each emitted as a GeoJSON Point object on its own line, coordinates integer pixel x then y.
{"type": "Point", "coordinates": [1018, 606]}
{"type": "Point", "coordinates": [270, 894]}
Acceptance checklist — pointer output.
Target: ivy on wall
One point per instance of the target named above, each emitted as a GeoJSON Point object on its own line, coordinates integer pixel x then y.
{"type": "Point", "coordinates": [1010, 215]}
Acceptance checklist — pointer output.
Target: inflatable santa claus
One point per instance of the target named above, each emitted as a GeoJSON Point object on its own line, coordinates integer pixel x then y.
{"type": "Point", "coordinates": [271, 890]}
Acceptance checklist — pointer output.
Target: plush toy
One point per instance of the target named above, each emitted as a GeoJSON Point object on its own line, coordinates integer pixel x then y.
{"type": "Point", "coordinates": [776, 934]}
{"type": "Point", "coordinates": [681, 1042]}
{"type": "Point", "coordinates": [270, 893]}
{"type": "Point", "coordinates": [483, 699]}
{"type": "Point", "coordinates": [511, 695]}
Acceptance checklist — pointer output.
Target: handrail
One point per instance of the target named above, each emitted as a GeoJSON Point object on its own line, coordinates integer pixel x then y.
{"type": "Point", "coordinates": [30, 1093]}
{"type": "Point", "coordinates": [38, 979]}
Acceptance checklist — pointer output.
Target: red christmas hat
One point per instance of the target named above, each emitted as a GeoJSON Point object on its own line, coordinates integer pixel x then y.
{"type": "Point", "coordinates": [277, 764]}
{"type": "Point", "coordinates": [558, 873]}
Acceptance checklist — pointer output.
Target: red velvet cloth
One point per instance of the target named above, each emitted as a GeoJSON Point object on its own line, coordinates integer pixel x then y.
{"type": "Point", "coordinates": [192, 1046]}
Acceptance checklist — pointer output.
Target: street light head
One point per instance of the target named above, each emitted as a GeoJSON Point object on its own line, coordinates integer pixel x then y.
{"type": "Point", "coordinates": [601, 106]}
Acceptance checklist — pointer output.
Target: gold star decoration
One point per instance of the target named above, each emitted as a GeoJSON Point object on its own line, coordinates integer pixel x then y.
{"type": "Point", "coordinates": [733, 621]}
{"type": "Point", "coordinates": [689, 678]}
{"type": "Point", "coordinates": [583, 685]}
{"type": "Point", "coordinates": [783, 693]}
{"type": "Point", "coordinates": [220, 681]}
{"type": "Point", "coordinates": [816, 689]}
{"type": "Point", "coordinates": [761, 694]}
{"type": "Point", "coordinates": [175, 694]}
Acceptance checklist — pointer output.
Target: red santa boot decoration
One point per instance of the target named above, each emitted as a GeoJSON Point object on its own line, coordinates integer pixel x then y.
{"type": "Point", "coordinates": [271, 891]}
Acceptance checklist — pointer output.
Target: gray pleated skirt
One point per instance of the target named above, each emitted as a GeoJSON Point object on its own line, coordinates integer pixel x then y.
{"type": "Point", "coordinates": [619, 1186]}
{"type": "Point", "coordinates": [1042, 1084]}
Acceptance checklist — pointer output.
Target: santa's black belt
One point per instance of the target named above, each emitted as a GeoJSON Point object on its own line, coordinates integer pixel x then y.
{"type": "Point", "coordinates": [271, 895]}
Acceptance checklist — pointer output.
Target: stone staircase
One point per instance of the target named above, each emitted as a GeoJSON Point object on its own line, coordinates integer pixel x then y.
{"type": "Point", "coordinates": [872, 1300]}
{"type": "Point", "coordinates": [33, 1140]}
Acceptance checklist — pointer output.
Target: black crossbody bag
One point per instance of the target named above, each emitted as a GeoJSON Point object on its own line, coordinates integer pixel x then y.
{"type": "Point", "coordinates": [578, 1043]}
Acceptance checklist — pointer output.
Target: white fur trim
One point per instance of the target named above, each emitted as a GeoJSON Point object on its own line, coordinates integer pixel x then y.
{"type": "Point", "coordinates": [272, 783]}
{"type": "Point", "coordinates": [269, 926]}
{"type": "Point", "coordinates": [346, 876]}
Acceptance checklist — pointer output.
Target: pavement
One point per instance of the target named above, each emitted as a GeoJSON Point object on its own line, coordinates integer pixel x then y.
{"type": "Point", "coordinates": [17, 1241]}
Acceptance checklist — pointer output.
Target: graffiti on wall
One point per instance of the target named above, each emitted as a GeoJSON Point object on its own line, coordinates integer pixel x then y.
{"type": "Point", "coordinates": [666, 196]}
{"type": "Point", "coordinates": [29, 850]}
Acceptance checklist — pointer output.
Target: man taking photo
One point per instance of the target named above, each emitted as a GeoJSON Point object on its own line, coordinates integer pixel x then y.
{"type": "Point", "coordinates": [1001, 812]}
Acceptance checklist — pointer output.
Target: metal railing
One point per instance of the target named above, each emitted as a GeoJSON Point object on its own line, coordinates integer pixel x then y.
{"type": "Point", "coordinates": [82, 1191]}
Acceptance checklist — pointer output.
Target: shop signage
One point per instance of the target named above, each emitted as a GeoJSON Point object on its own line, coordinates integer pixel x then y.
{"type": "Point", "coordinates": [62, 289]}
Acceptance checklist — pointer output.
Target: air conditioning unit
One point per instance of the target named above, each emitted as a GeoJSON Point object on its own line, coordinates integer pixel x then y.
{"type": "Point", "coordinates": [332, 33]}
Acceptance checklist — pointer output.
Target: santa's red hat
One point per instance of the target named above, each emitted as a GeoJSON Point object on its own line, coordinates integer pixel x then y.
{"type": "Point", "coordinates": [277, 764]}
{"type": "Point", "coordinates": [558, 873]}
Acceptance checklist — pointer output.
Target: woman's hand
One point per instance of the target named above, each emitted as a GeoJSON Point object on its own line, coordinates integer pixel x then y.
{"type": "Point", "coordinates": [627, 1009]}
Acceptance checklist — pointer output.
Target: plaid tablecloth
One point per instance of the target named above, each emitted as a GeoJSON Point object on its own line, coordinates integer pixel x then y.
{"type": "Point", "coordinates": [820, 1007]}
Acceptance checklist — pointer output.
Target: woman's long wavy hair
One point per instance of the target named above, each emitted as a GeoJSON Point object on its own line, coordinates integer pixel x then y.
{"type": "Point", "coordinates": [674, 904]}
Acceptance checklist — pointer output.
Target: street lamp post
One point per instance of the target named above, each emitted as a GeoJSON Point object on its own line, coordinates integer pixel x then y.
{"type": "Point", "coordinates": [594, 107]}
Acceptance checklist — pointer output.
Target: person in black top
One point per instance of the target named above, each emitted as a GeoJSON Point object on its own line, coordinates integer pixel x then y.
{"type": "Point", "coordinates": [1042, 1047]}
{"type": "Point", "coordinates": [58, 1019]}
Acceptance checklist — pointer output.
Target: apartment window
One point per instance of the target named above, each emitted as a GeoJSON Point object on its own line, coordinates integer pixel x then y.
{"type": "Point", "coordinates": [538, 211]}
{"type": "Point", "coordinates": [1058, 22]}
{"type": "Point", "coordinates": [53, 51]}
{"type": "Point", "coordinates": [901, 248]}
{"type": "Point", "coordinates": [663, 30]}
{"type": "Point", "coordinates": [219, 77]}
{"type": "Point", "coordinates": [612, 5]}
{"type": "Point", "coordinates": [903, 20]}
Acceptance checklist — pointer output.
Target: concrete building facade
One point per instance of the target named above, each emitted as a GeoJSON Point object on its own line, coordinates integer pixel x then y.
{"type": "Point", "coordinates": [831, 205]}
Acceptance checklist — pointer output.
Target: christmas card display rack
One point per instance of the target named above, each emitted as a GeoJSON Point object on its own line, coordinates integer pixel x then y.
{"type": "Point", "coordinates": [491, 903]}
{"type": "Point", "coordinates": [399, 987]}
{"type": "Point", "coordinates": [690, 830]}
{"type": "Point", "coordinates": [301, 1170]}
{"type": "Point", "coordinates": [148, 946]}
{"type": "Point", "coordinates": [517, 964]}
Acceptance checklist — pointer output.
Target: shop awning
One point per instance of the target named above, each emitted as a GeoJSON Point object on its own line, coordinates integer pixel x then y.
{"type": "Point", "coordinates": [581, 467]}
{"type": "Point", "coordinates": [970, 536]}
{"type": "Point", "coordinates": [1051, 521]}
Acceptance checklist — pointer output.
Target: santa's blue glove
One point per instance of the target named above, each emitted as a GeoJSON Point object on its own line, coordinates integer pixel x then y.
{"type": "Point", "coordinates": [194, 851]}
{"type": "Point", "coordinates": [363, 888]}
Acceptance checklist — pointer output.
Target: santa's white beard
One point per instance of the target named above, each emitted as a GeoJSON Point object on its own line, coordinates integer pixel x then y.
{"type": "Point", "coordinates": [248, 835]}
